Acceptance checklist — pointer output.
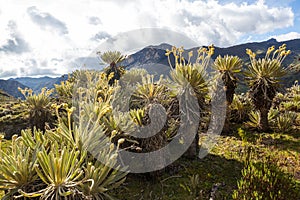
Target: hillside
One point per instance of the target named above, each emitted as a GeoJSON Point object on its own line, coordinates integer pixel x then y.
{"type": "Point", "coordinates": [5, 97]}
{"type": "Point", "coordinates": [153, 59]}
{"type": "Point", "coordinates": [11, 87]}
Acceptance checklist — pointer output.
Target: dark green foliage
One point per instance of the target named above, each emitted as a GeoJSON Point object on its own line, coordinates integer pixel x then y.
{"type": "Point", "coordinates": [263, 180]}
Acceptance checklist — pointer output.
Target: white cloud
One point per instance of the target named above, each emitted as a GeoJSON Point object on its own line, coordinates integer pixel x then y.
{"type": "Point", "coordinates": [132, 41]}
{"type": "Point", "coordinates": [95, 20]}
{"type": "Point", "coordinates": [100, 36]}
{"type": "Point", "coordinates": [15, 43]}
{"type": "Point", "coordinates": [287, 36]}
{"type": "Point", "coordinates": [56, 32]}
{"type": "Point", "coordinates": [46, 21]}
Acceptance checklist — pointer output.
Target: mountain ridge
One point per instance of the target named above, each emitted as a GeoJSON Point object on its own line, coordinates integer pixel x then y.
{"type": "Point", "coordinates": [160, 65]}
{"type": "Point", "coordinates": [36, 84]}
{"type": "Point", "coordinates": [153, 59]}
{"type": "Point", "coordinates": [10, 87]}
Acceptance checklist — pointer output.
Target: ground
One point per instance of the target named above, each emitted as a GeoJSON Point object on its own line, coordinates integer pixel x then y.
{"type": "Point", "coordinates": [218, 172]}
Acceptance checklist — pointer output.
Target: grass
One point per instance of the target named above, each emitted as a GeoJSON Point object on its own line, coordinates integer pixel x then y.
{"type": "Point", "coordinates": [212, 170]}
{"type": "Point", "coordinates": [220, 169]}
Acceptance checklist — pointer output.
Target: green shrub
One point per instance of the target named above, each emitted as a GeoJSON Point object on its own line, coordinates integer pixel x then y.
{"type": "Point", "coordinates": [285, 121]}
{"type": "Point", "coordinates": [240, 107]}
{"type": "Point", "coordinates": [193, 186]}
{"type": "Point", "coordinates": [254, 118]}
{"type": "Point", "coordinates": [265, 181]}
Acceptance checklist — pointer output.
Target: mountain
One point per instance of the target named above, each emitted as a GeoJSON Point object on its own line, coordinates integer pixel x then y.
{"type": "Point", "coordinates": [36, 84]}
{"type": "Point", "coordinates": [153, 59]}
{"type": "Point", "coordinates": [4, 96]}
{"type": "Point", "coordinates": [10, 87]}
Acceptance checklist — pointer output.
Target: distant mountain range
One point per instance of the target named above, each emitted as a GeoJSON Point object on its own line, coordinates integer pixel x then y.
{"type": "Point", "coordinates": [36, 84]}
{"type": "Point", "coordinates": [11, 86]}
{"type": "Point", "coordinates": [153, 59]}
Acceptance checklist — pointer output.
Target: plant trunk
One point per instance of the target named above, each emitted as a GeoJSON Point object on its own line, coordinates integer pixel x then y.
{"type": "Point", "coordinates": [227, 124]}
{"type": "Point", "coordinates": [193, 150]}
{"type": "Point", "coordinates": [264, 123]}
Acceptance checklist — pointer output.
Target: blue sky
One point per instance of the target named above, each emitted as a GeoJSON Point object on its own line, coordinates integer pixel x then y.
{"type": "Point", "coordinates": [51, 38]}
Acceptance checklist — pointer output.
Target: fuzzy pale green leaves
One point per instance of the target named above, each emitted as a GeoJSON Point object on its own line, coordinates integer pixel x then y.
{"type": "Point", "coordinates": [17, 168]}
{"type": "Point", "coordinates": [268, 70]}
{"type": "Point", "coordinates": [61, 163]}
{"type": "Point", "coordinates": [61, 171]}
{"type": "Point", "coordinates": [190, 76]}
{"type": "Point", "coordinates": [187, 74]}
{"type": "Point", "coordinates": [231, 64]}
{"type": "Point", "coordinates": [111, 57]}
{"type": "Point", "coordinates": [149, 91]}
{"type": "Point", "coordinates": [39, 107]}
{"type": "Point", "coordinates": [226, 68]}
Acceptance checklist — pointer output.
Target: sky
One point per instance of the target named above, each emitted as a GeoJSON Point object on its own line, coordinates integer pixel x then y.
{"type": "Point", "coordinates": [40, 38]}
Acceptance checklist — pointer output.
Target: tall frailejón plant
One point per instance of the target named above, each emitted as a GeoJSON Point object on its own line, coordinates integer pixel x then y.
{"type": "Point", "coordinates": [113, 58]}
{"type": "Point", "coordinates": [264, 76]}
{"type": "Point", "coordinates": [187, 74]}
{"type": "Point", "coordinates": [226, 69]}
{"type": "Point", "coordinates": [39, 107]}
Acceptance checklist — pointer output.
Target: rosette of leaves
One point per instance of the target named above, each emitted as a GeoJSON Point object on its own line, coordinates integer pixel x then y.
{"type": "Point", "coordinates": [264, 76]}
{"type": "Point", "coordinates": [113, 58]}
{"type": "Point", "coordinates": [285, 121]}
{"type": "Point", "coordinates": [17, 168]}
{"type": "Point", "coordinates": [39, 107]}
{"type": "Point", "coordinates": [240, 108]}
